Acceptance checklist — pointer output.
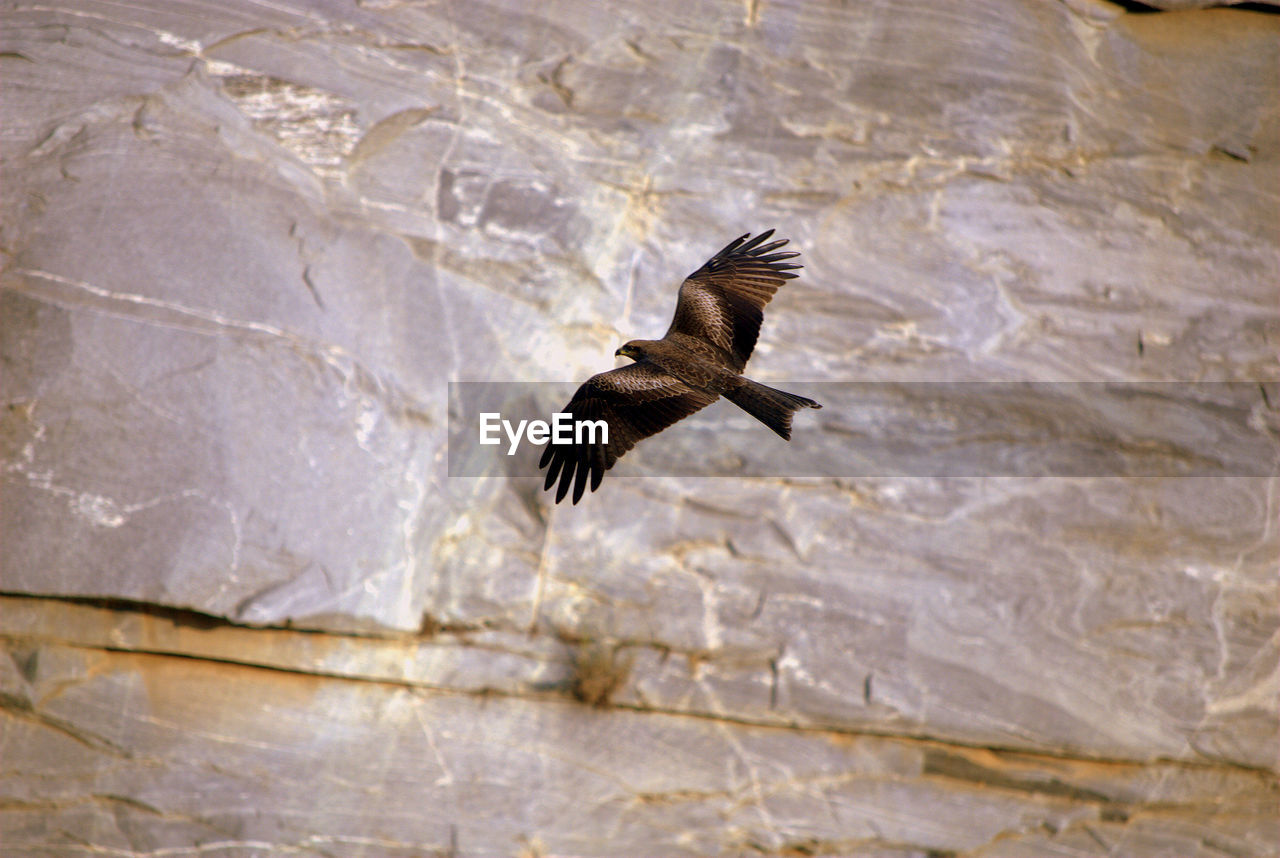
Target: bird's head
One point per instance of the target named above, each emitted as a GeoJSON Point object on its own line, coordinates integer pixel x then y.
{"type": "Point", "coordinates": [630, 350]}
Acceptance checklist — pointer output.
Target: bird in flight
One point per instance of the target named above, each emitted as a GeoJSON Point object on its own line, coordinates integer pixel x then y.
{"type": "Point", "coordinates": [698, 360]}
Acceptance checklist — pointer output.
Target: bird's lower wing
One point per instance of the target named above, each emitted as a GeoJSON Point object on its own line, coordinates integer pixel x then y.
{"type": "Point", "coordinates": [634, 402]}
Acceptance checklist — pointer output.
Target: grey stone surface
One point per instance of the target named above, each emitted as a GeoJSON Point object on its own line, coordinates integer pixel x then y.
{"type": "Point", "coordinates": [246, 610]}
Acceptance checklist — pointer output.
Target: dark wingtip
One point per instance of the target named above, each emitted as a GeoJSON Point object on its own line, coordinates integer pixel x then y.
{"type": "Point", "coordinates": [580, 481]}
{"type": "Point", "coordinates": [753, 246]}
{"type": "Point", "coordinates": [733, 246]}
{"type": "Point", "coordinates": [566, 477]}
{"type": "Point", "coordinates": [597, 467]}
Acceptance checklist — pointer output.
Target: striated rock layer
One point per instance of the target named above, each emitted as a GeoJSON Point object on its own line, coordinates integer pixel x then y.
{"type": "Point", "coordinates": [247, 610]}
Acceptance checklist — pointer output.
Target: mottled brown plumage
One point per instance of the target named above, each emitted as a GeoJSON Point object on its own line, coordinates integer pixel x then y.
{"type": "Point", "coordinates": [698, 360]}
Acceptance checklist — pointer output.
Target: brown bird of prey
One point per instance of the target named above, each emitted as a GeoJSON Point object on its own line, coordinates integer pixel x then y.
{"type": "Point", "coordinates": [698, 360]}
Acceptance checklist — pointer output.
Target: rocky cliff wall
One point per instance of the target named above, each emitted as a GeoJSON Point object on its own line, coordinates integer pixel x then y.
{"type": "Point", "coordinates": [247, 610]}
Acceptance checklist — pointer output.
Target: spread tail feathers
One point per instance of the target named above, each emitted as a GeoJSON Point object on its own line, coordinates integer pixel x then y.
{"type": "Point", "coordinates": [771, 407]}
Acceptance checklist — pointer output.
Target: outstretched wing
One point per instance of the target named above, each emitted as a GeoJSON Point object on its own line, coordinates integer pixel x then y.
{"type": "Point", "coordinates": [635, 402]}
{"type": "Point", "coordinates": [723, 301]}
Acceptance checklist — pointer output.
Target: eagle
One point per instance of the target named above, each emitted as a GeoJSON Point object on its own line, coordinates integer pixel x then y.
{"type": "Point", "coordinates": [699, 359]}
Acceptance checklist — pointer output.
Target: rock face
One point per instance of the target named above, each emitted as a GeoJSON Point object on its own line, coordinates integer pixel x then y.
{"type": "Point", "coordinates": [247, 610]}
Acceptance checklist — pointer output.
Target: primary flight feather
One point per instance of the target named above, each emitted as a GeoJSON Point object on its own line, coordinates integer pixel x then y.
{"type": "Point", "coordinates": [698, 360]}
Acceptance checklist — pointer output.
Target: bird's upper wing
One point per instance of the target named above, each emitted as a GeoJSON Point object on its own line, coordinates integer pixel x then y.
{"type": "Point", "coordinates": [635, 402]}
{"type": "Point", "coordinates": [723, 301]}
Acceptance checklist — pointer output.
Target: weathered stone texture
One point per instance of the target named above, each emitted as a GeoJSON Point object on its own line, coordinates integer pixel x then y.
{"type": "Point", "coordinates": [246, 610]}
